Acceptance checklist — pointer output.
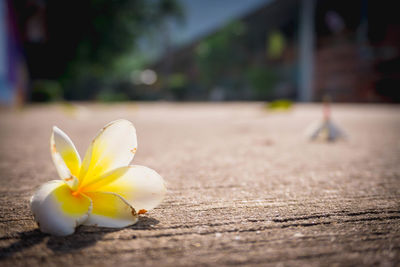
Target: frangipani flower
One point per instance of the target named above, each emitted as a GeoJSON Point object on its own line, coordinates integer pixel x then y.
{"type": "Point", "coordinates": [102, 190]}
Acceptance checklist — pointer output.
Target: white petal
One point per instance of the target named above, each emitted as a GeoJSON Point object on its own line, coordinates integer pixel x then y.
{"type": "Point", "coordinates": [114, 146]}
{"type": "Point", "coordinates": [65, 157]}
{"type": "Point", "coordinates": [110, 210]}
{"type": "Point", "coordinates": [141, 187]}
{"type": "Point", "coordinates": [56, 210]}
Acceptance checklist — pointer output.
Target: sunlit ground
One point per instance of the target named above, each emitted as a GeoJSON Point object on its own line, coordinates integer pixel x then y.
{"type": "Point", "coordinates": [246, 186]}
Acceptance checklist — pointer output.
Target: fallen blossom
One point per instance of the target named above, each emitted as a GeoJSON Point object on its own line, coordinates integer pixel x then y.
{"type": "Point", "coordinates": [102, 190]}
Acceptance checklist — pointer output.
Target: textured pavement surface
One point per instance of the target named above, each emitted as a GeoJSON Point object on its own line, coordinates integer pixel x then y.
{"type": "Point", "coordinates": [245, 186]}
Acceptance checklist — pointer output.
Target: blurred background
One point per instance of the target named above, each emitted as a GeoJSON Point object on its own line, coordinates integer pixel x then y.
{"type": "Point", "coordinates": [192, 50]}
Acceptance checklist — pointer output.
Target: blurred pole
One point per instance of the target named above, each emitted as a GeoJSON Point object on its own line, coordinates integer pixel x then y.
{"type": "Point", "coordinates": [306, 50]}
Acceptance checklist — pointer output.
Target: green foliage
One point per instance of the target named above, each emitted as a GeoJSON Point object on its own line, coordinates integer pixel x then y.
{"type": "Point", "coordinates": [262, 81]}
{"type": "Point", "coordinates": [220, 54]}
{"type": "Point", "coordinates": [177, 80]}
{"type": "Point", "coordinates": [91, 41]}
{"type": "Point", "coordinates": [276, 44]}
{"type": "Point", "coordinates": [46, 91]}
{"type": "Point", "coordinates": [115, 27]}
{"type": "Point", "coordinates": [224, 59]}
{"type": "Point", "coordinates": [177, 83]}
{"type": "Point", "coordinates": [110, 96]}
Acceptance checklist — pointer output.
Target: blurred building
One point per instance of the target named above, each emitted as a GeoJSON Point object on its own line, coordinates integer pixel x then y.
{"type": "Point", "coordinates": [349, 51]}
{"type": "Point", "coordinates": [357, 51]}
{"type": "Point", "coordinates": [227, 50]}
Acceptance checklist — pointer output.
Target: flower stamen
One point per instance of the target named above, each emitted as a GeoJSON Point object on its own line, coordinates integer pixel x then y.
{"type": "Point", "coordinates": [77, 192]}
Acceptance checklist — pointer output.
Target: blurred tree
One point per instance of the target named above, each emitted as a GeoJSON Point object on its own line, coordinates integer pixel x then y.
{"type": "Point", "coordinates": [177, 83]}
{"type": "Point", "coordinates": [219, 57]}
{"type": "Point", "coordinates": [227, 63]}
{"type": "Point", "coordinates": [80, 41]}
{"type": "Point", "coordinates": [262, 80]}
{"type": "Point", "coordinates": [46, 91]}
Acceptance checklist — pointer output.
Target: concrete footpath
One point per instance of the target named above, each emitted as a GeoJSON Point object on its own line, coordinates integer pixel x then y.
{"type": "Point", "coordinates": [245, 185]}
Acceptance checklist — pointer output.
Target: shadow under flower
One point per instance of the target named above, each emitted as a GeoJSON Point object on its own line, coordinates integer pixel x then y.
{"type": "Point", "coordinates": [85, 236]}
{"type": "Point", "coordinates": [25, 240]}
